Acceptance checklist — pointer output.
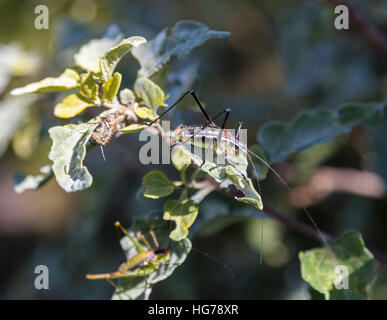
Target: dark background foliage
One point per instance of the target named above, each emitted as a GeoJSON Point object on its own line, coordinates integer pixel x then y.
{"type": "Point", "coordinates": [282, 57]}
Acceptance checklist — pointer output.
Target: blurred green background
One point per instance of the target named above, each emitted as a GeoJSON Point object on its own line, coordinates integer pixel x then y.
{"type": "Point", "coordinates": [282, 57]}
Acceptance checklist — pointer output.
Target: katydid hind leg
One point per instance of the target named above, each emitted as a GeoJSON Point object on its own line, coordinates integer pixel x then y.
{"type": "Point", "coordinates": [193, 94]}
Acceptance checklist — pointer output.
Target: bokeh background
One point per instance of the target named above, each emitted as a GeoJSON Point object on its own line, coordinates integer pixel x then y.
{"type": "Point", "coordinates": [282, 57]}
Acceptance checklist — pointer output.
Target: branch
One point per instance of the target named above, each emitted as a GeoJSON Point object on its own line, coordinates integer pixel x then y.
{"type": "Point", "coordinates": [302, 227]}
{"type": "Point", "coordinates": [369, 30]}
{"type": "Point", "coordinates": [295, 224]}
{"type": "Point", "coordinates": [311, 232]}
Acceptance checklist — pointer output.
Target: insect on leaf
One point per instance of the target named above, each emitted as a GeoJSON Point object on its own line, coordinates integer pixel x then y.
{"type": "Point", "coordinates": [157, 185]}
{"type": "Point", "coordinates": [111, 58]}
{"type": "Point", "coordinates": [71, 106]}
{"type": "Point", "coordinates": [178, 41]}
{"type": "Point", "coordinates": [68, 80]}
{"type": "Point", "coordinates": [324, 272]}
{"type": "Point", "coordinates": [134, 287]}
{"type": "Point", "coordinates": [67, 152]}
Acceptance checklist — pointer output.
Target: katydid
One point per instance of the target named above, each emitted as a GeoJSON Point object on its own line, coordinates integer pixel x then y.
{"type": "Point", "coordinates": [224, 140]}
{"type": "Point", "coordinates": [147, 260]}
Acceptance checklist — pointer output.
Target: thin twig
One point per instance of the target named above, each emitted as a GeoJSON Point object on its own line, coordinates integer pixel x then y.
{"type": "Point", "coordinates": [311, 232]}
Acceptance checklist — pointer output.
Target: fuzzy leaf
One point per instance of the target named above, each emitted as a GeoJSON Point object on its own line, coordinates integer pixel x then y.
{"type": "Point", "coordinates": [179, 159]}
{"type": "Point", "coordinates": [149, 92]}
{"type": "Point", "coordinates": [178, 41]}
{"type": "Point", "coordinates": [23, 182]}
{"type": "Point", "coordinates": [184, 213]}
{"type": "Point", "coordinates": [134, 127]}
{"type": "Point", "coordinates": [71, 106]}
{"type": "Point", "coordinates": [231, 170]}
{"type": "Point", "coordinates": [67, 152]}
{"type": "Point", "coordinates": [251, 196]}
{"type": "Point", "coordinates": [111, 58]}
{"type": "Point", "coordinates": [89, 88]}
{"type": "Point", "coordinates": [318, 267]}
{"type": "Point", "coordinates": [313, 127]}
{"type": "Point", "coordinates": [112, 86]}
{"type": "Point", "coordinates": [157, 185]}
{"type": "Point", "coordinates": [68, 80]}
{"type": "Point", "coordinates": [127, 96]}
{"type": "Point", "coordinates": [89, 55]}
{"type": "Point", "coordinates": [144, 112]}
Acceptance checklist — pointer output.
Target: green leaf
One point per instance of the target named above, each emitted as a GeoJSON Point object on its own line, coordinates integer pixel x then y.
{"type": "Point", "coordinates": [180, 160]}
{"type": "Point", "coordinates": [157, 185]}
{"type": "Point", "coordinates": [71, 106]}
{"type": "Point", "coordinates": [232, 170]}
{"type": "Point", "coordinates": [67, 152]}
{"type": "Point", "coordinates": [23, 182]}
{"type": "Point", "coordinates": [178, 41]}
{"type": "Point", "coordinates": [90, 54]}
{"type": "Point", "coordinates": [318, 267]}
{"type": "Point", "coordinates": [315, 295]}
{"type": "Point", "coordinates": [368, 114]}
{"type": "Point", "coordinates": [112, 86]}
{"type": "Point", "coordinates": [251, 196]}
{"type": "Point", "coordinates": [149, 92]}
{"type": "Point", "coordinates": [313, 127]}
{"type": "Point", "coordinates": [68, 80]}
{"type": "Point", "coordinates": [127, 97]}
{"type": "Point", "coordinates": [144, 112]}
{"type": "Point", "coordinates": [134, 286]}
{"type": "Point", "coordinates": [134, 127]}
{"type": "Point", "coordinates": [184, 213]}
{"type": "Point", "coordinates": [89, 88]}
{"type": "Point", "coordinates": [111, 58]}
